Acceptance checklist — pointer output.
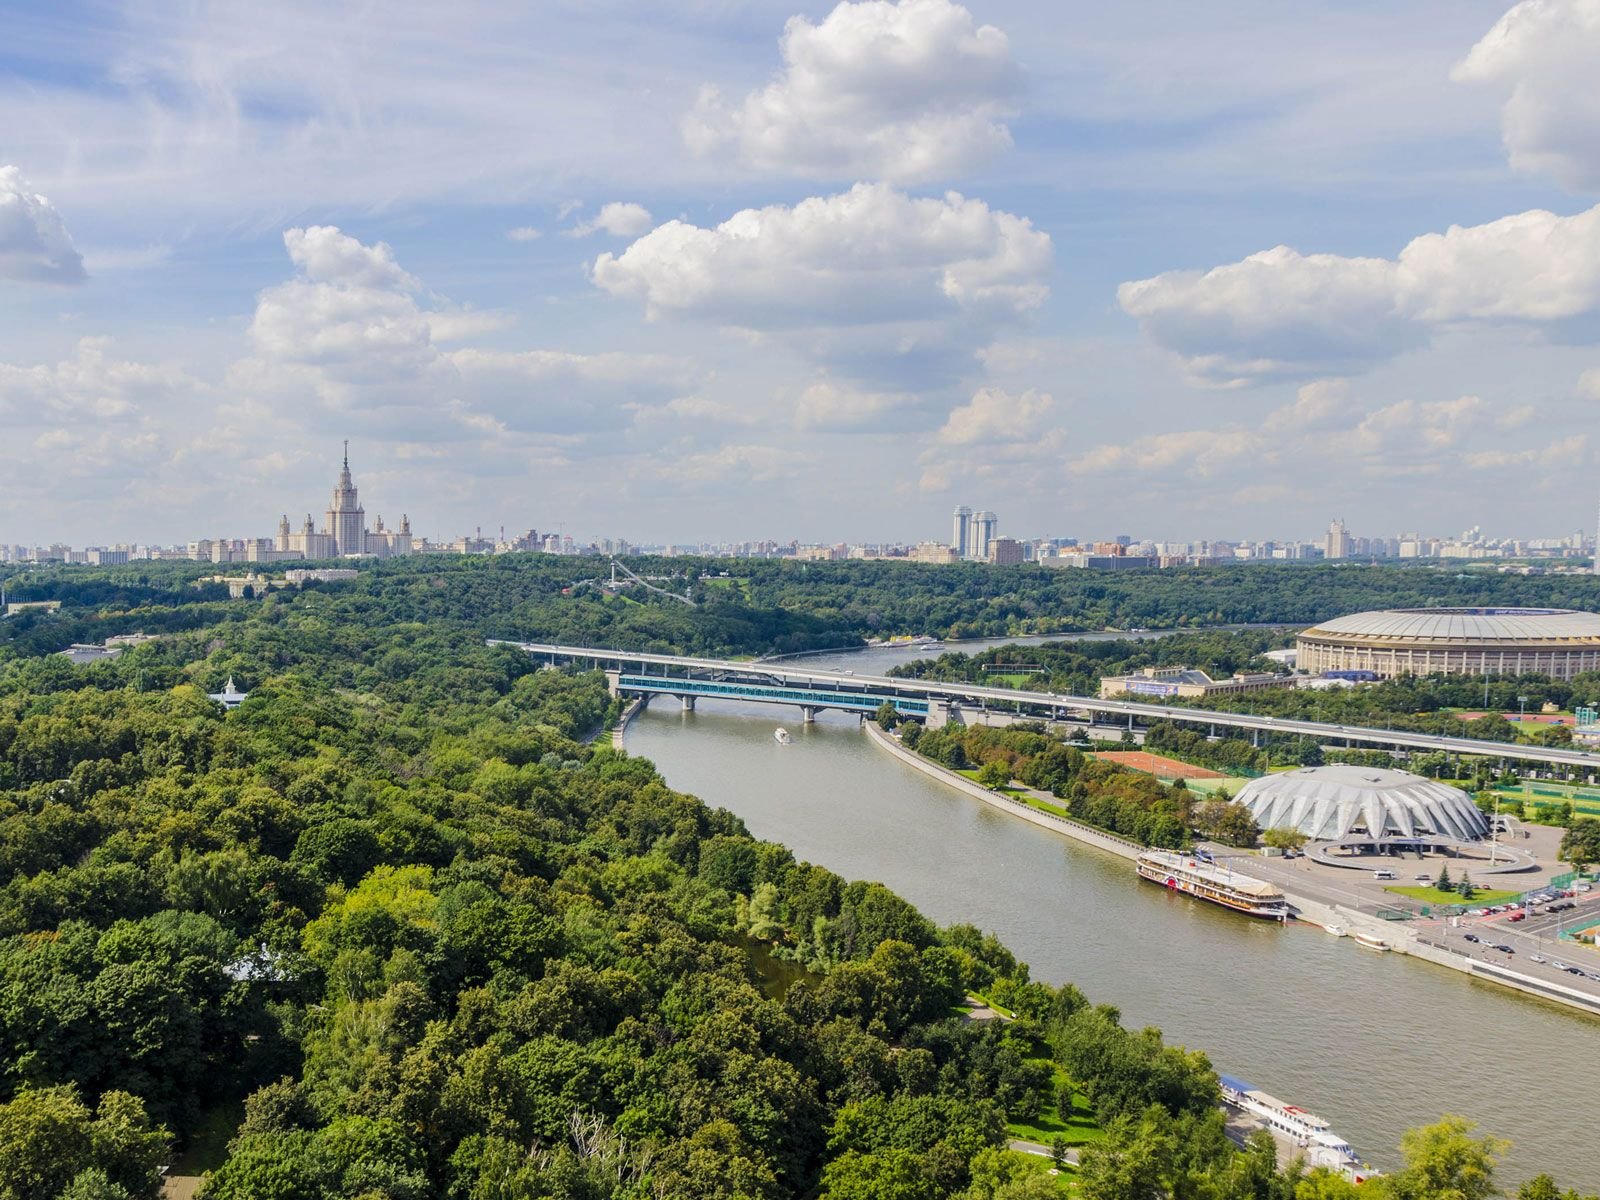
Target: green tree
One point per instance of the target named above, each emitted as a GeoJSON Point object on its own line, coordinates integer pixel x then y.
{"type": "Point", "coordinates": [887, 716]}
{"type": "Point", "coordinates": [890, 1174]}
{"type": "Point", "coordinates": [48, 1138]}
{"type": "Point", "coordinates": [1284, 839]}
{"type": "Point", "coordinates": [1444, 883]}
{"type": "Point", "coordinates": [1444, 1161]}
{"type": "Point", "coordinates": [994, 775]}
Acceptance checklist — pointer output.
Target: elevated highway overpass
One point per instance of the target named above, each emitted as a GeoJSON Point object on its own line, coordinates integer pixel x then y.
{"type": "Point", "coordinates": [811, 690]}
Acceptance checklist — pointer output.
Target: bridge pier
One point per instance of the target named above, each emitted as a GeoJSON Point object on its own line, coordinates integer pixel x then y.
{"type": "Point", "coordinates": [808, 713]}
{"type": "Point", "coordinates": [688, 703]}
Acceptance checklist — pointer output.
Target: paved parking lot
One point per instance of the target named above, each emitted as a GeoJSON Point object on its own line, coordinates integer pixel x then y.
{"type": "Point", "coordinates": [1531, 938]}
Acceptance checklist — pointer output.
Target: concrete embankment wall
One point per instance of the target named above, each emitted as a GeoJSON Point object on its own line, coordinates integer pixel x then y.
{"type": "Point", "coordinates": [628, 714]}
{"type": "Point", "coordinates": [1076, 830]}
{"type": "Point", "coordinates": [1401, 938]}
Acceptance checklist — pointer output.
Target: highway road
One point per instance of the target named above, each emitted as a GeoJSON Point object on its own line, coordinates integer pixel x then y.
{"type": "Point", "coordinates": [1054, 705]}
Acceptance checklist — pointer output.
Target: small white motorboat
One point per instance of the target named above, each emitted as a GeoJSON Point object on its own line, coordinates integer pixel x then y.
{"type": "Point", "coordinates": [1335, 930]}
{"type": "Point", "coordinates": [781, 735]}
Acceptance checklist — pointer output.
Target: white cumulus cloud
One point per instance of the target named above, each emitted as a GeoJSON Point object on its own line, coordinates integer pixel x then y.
{"type": "Point", "coordinates": [91, 387]}
{"type": "Point", "coordinates": [34, 245]}
{"type": "Point", "coordinates": [872, 254]}
{"type": "Point", "coordinates": [993, 415]}
{"type": "Point", "coordinates": [832, 406]}
{"type": "Point", "coordinates": [909, 91]}
{"type": "Point", "coordinates": [352, 330]}
{"type": "Point", "coordinates": [1283, 315]}
{"type": "Point", "coordinates": [619, 219]}
{"type": "Point", "coordinates": [1542, 54]}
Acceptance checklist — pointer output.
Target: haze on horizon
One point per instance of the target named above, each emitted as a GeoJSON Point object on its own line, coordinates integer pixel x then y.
{"type": "Point", "coordinates": [740, 269]}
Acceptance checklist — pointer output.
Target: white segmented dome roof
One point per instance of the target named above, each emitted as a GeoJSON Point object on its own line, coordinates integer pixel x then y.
{"type": "Point", "coordinates": [1327, 803]}
{"type": "Point", "coordinates": [1457, 625]}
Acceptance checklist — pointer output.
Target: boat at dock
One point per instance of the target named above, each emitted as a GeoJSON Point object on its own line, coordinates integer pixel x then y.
{"type": "Point", "coordinates": [1320, 1146]}
{"type": "Point", "coordinates": [1205, 879]}
{"type": "Point", "coordinates": [1335, 930]}
{"type": "Point", "coordinates": [781, 736]}
{"type": "Point", "coordinates": [1370, 940]}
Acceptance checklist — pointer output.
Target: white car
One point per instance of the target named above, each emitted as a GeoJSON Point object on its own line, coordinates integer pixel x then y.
{"type": "Point", "coordinates": [1537, 958]}
{"type": "Point", "coordinates": [1561, 966]}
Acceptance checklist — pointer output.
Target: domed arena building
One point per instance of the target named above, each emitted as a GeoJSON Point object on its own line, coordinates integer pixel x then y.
{"type": "Point", "coordinates": [1557, 642]}
{"type": "Point", "coordinates": [1343, 803]}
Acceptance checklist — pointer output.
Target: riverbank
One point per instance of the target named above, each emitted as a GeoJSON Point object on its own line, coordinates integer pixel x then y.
{"type": "Point", "coordinates": [1077, 830]}
{"type": "Point", "coordinates": [1307, 908]}
{"type": "Point", "coordinates": [620, 729]}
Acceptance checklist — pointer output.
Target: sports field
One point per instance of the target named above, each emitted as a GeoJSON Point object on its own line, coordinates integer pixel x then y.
{"type": "Point", "coordinates": [1156, 764]}
{"type": "Point", "coordinates": [1584, 801]}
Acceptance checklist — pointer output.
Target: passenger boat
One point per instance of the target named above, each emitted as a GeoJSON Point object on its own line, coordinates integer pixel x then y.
{"type": "Point", "coordinates": [1335, 930]}
{"type": "Point", "coordinates": [1205, 880]}
{"type": "Point", "coordinates": [781, 735]}
{"type": "Point", "coordinates": [1321, 1145]}
{"type": "Point", "coordinates": [1370, 940]}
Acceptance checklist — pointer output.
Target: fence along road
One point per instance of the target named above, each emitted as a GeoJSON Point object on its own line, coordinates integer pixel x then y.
{"type": "Point", "coordinates": [1047, 705]}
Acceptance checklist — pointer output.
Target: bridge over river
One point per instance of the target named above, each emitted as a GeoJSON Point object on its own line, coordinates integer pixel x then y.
{"type": "Point", "coordinates": [811, 690]}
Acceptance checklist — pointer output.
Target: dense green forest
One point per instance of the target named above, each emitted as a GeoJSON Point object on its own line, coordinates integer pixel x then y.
{"type": "Point", "coordinates": [758, 606]}
{"type": "Point", "coordinates": [395, 929]}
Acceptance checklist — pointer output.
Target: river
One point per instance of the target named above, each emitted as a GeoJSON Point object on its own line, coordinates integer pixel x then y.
{"type": "Point", "coordinates": [1376, 1043]}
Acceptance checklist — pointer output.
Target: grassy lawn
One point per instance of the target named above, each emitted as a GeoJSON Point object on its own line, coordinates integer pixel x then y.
{"type": "Point", "coordinates": [1432, 895]}
{"type": "Point", "coordinates": [1013, 679]}
{"type": "Point", "coordinates": [1011, 790]}
{"type": "Point", "coordinates": [1213, 787]}
{"type": "Point", "coordinates": [1066, 1180]}
{"type": "Point", "coordinates": [1082, 1128]}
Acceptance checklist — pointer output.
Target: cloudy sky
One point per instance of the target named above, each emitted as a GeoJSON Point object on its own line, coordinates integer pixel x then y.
{"type": "Point", "coordinates": [686, 269]}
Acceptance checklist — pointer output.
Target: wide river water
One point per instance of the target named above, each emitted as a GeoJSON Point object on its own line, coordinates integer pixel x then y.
{"type": "Point", "coordinates": [1376, 1043]}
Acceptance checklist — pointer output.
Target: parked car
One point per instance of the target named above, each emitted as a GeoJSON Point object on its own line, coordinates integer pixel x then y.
{"type": "Point", "coordinates": [1518, 916]}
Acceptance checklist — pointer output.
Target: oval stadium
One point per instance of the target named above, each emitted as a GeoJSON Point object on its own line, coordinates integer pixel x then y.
{"type": "Point", "coordinates": [1558, 642]}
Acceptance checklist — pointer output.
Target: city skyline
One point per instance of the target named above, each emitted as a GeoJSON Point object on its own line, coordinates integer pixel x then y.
{"type": "Point", "coordinates": [878, 257]}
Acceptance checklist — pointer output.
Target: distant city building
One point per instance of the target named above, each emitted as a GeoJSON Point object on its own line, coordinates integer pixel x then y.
{"type": "Point", "coordinates": [1338, 543]}
{"type": "Point", "coordinates": [230, 697]}
{"type": "Point", "coordinates": [81, 654]}
{"type": "Point", "coordinates": [1101, 562]}
{"type": "Point", "coordinates": [1186, 683]}
{"type": "Point", "coordinates": [1004, 551]}
{"type": "Point", "coordinates": [961, 533]}
{"type": "Point", "coordinates": [934, 552]}
{"type": "Point", "coordinates": [22, 606]}
{"type": "Point", "coordinates": [985, 527]}
{"type": "Point", "coordinates": [302, 576]}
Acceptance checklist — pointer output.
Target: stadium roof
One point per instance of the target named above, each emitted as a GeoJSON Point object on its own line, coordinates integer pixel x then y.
{"type": "Point", "coordinates": [1334, 803]}
{"type": "Point", "coordinates": [1457, 625]}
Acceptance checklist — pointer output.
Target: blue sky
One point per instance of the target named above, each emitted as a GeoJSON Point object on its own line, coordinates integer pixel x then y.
{"type": "Point", "coordinates": [744, 269]}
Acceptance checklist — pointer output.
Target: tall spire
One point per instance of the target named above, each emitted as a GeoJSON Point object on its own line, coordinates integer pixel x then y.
{"type": "Point", "coordinates": [347, 454]}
